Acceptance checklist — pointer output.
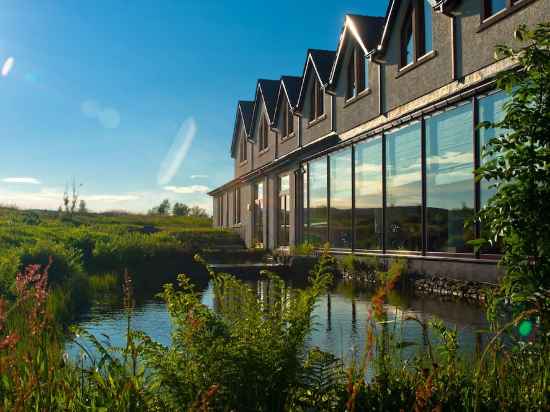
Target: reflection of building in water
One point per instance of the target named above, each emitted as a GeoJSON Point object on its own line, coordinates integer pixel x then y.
{"type": "Point", "coordinates": [373, 147]}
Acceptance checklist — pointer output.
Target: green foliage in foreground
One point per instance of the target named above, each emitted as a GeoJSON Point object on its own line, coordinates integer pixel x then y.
{"type": "Point", "coordinates": [249, 353]}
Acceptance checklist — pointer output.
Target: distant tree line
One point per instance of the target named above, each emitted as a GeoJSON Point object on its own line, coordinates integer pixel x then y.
{"type": "Point", "coordinates": [178, 209]}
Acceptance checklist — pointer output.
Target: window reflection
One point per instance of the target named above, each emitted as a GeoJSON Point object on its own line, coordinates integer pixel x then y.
{"type": "Point", "coordinates": [404, 189]}
{"type": "Point", "coordinates": [449, 180]}
{"type": "Point", "coordinates": [318, 213]}
{"type": "Point", "coordinates": [259, 215]}
{"type": "Point", "coordinates": [284, 210]}
{"type": "Point", "coordinates": [368, 194]}
{"type": "Point", "coordinates": [340, 199]}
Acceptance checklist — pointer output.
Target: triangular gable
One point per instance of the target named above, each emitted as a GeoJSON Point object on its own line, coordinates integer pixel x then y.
{"type": "Point", "coordinates": [243, 118]}
{"type": "Point", "coordinates": [365, 30]}
{"type": "Point", "coordinates": [392, 12]}
{"type": "Point", "coordinates": [289, 88]}
{"type": "Point", "coordinates": [266, 97]}
{"type": "Point", "coordinates": [320, 63]}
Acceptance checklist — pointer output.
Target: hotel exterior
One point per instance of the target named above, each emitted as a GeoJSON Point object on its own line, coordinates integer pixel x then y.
{"type": "Point", "coordinates": [373, 148]}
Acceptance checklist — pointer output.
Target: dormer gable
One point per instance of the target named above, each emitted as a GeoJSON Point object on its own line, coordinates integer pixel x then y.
{"type": "Point", "coordinates": [318, 67]}
{"type": "Point", "coordinates": [243, 123]}
{"type": "Point", "coordinates": [361, 32]}
{"type": "Point", "coordinates": [287, 98]}
{"type": "Point", "coordinates": [264, 104]}
{"type": "Point", "coordinates": [415, 29]}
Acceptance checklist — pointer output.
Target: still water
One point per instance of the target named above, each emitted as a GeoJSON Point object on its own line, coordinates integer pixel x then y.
{"type": "Point", "coordinates": [341, 317]}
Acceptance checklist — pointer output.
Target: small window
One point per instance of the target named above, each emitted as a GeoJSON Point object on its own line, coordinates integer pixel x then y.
{"type": "Point", "coordinates": [357, 73]}
{"type": "Point", "coordinates": [243, 155]}
{"type": "Point", "coordinates": [417, 34]}
{"type": "Point", "coordinates": [264, 128]}
{"type": "Point", "coordinates": [492, 7]}
{"type": "Point", "coordinates": [288, 119]}
{"type": "Point", "coordinates": [317, 108]}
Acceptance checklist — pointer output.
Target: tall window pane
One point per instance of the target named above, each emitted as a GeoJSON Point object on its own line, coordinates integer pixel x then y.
{"type": "Point", "coordinates": [494, 6]}
{"type": "Point", "coordinates": [318, 209]}
{"type": "Point", "coordinates": [368, 195]}
{"type": "Point", "coordinates": [449, 180]}
{"type": "Point", "coordinates": [259, 215]}
{"type": "Point", "coordinates": [305, 213]}
{"type": "Point", "coordinates": [407, 44]}
{"type": "Point", "coordinates": [404, 189]}
{"type": "Point", "coordinates": [428, 36]}
{"type": "Point", "coordinates": [284, 210]}
{"type": "Point", "coordinates": [340, 199]}
{"type": "Point", "coordinates": [491, 109]}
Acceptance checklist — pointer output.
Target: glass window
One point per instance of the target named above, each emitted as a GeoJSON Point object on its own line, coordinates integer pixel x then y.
{"type": "Point", "coordinates": [428, 36]}
{"type": "Point", "coordinates": [318, 213]}
{"type": "Point", "coordinates": [404, 189]}
{"type": "Point", "coordinates": [491, 109]}
{"type": "Point", "coordinates": [449, 180]}
{"type": "Point", "coordinates": [494, 6]}
{"type": "Point", "coordinates": [407, 45]}
{"type": "Point", "coordinates": [368, 195]}
{"type": "Point", "coordinates": [259, 215]}
{"type": "Point", "coordinates": [341, 199]}
{"type": "Point", "coordinates": [305, 215]}
{"type": "Point", "coordinates": [284, 210]}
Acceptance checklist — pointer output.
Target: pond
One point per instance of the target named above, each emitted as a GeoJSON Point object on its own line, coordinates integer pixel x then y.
{"type": "Point", "coordinates": [340, 317]}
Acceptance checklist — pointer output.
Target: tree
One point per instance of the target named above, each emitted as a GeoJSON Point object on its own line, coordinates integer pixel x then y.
{"type": "Point", "coordinates": [517, 162]}
{"type": "Point", "coordinates": [197, 211]}
{"type": "Point", "coordinates": [82, 207]}
{"type": "Point", "coordinates": [162, 209]}
{"type": "Point", "coordinates": [180, 209]}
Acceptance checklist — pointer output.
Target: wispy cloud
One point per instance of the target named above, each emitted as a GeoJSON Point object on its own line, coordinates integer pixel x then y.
{"type": "Point", "coordinates": [108, 117]}
{"type": "Point", "coordinates": [22, 180]}
{"type": "Point", "coordinates": [199, 177]}
{"type": "Point", "coordinates": [178, 152]}
{"type": "Point", "coordinates": [187, 190]}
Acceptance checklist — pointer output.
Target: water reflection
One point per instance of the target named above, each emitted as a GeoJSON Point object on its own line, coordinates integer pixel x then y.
{"type": "Point", "coordinates": [340, 318]}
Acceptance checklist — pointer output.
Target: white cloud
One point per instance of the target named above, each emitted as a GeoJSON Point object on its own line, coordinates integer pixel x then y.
{"type": "Point", "coordinates": [108, 117]}
{"type": "Point", "coordinates": [187, 190]}
{"type": "Point", "coordinates": [23, 180]}
{"type": "Point", "coordinates": [199, 177]}
{"type": "Point", "coordinates": [178, 152]}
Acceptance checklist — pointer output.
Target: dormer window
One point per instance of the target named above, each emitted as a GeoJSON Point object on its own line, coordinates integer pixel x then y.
{"type": "Point", "coordinates": [288, 120]}
{"type": "Point", "coordinates": [264, 128]}
{"type": "Point", "coordinates": [243, 155]}
{"type": "Point", "coordinates": [417, 33]}
{"type": "Point", "coordinates": [358, 76]}
{"type": "Point", "coordinates": [317, 106]}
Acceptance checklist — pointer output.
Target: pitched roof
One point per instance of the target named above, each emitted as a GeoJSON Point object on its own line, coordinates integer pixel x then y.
{"type": "Point", "coordinates": [267, 90]}
{"type": "Point", "coordinates": [366, 30]}
{"type": "Point", "coordinates": [320, 61]}
{"type": "Point", "coordinates": [289, 88]}
{"type": "Point", "coordinates": [243, 116]}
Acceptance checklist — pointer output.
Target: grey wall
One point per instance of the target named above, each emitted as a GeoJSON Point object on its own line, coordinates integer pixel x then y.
{"type": "Point", "coordinates": [476, 48]}
{"type": "Point", "coordinates": [400, 88]}
{"type": "Point", "coordinates": [361, 109]}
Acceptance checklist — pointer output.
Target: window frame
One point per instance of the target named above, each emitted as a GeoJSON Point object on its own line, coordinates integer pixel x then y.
{"type": "Point", "coordinates": [288, 120]}
{"type": "Point", "coordinates": [237, 206]}
{"type": "Point", "coordinates": [243, 149]}
{"type": "Point", "coordinates": [357, 69]}
{"type": "Point", "coordinates": [416, 19]}
{"type": "Point", "coordinates": [264, 134]}
{"type": "Point", "coordinates": [512, 6]}
{"type": "Point", "coordinates": [317, 103]}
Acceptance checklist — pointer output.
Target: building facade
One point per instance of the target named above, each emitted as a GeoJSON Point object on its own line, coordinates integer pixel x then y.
{"type": "Point", "coordinates": [372, 149]}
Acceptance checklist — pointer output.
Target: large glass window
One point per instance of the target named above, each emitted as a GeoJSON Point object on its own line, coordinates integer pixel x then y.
{"type": "Point", "coordinates": [305, 194]}
{"type": "Point", "coordinates": [341, 199]}
{"type": "Point", "coordinates": [368, 195]}
{"type": "Point", "coordinates": [491, 109]}
{"type": "Point", "coordinates": [318, 208]}
{"type": "Point", "coordinates": [259, 215]}
{"type": "Point", "coordinates": [284, 210]}
{"type": "Point", "coordinates": [404, 189]}
{"type": "Point", "coordinates": [449, 180]}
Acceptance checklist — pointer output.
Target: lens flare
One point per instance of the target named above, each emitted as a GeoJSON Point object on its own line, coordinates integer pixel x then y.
{"type": "Point", "coordinates": [525, 328]}
{"type": "Point", "coordinates": [8, 66]}
{"type": "Point", "coordinates": [178, 152]}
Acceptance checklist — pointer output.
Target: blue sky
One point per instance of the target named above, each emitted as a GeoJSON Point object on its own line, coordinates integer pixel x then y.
{"type": "Point", "coordinates": [135, 100]}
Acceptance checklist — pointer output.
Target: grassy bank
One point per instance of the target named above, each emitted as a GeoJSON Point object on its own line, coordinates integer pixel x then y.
{"type": "Point", "coordinates": [75, 246]}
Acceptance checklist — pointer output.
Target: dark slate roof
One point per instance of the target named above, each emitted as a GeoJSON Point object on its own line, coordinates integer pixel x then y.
{"type": "Point", "coordinates": [292, 86]}
{"type": "Point", "coordinates": [369, 28]}
{"type": "Point", "coordinates": [366, 30]}
{"type": "Point", "coordinates": [323, 60]}
{"type": "Point", "coordinates": [244, 114]}
{"type": "Point", "coordinates": [268, 90]}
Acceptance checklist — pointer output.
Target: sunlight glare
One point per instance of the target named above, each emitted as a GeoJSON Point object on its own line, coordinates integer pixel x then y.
{"type": "Point", "coordinates": [178, 152]}
{"type": "Point", "coordinates": [7, 66]}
